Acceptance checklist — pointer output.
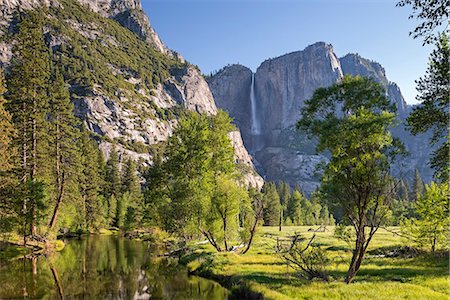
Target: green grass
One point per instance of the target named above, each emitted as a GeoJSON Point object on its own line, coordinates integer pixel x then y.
{"type": "Point", "coordinates": [262, 271]}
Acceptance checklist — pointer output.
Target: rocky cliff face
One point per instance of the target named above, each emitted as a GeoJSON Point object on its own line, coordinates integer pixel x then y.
{"type": "Point", "coordinates": [129, 13]}
{"type": "Point", "coordinates": [281, 86]}
{"type": "Point", "coordinates": [133, 115]}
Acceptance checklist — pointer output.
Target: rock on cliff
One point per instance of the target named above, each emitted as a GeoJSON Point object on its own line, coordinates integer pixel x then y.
{"type": "Point", "coordinates": [281, 87]}
{"type": "Point", "coordinates": [119, 97]}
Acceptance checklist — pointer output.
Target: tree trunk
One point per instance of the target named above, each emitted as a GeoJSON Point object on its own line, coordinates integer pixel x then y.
{"type": "Point", "coordinates": [281, 219]}
{"type": "Point", "coordinates": [24, 175]}
{"type": "Point", "coordinates": [58, 202]}
{"type": "Point", "coordinates": [58, 283]}
{"type": "Point", "coordinates": [258, 217]}
{"type": "Point", "coordinates": [224, 220]}
{"type": "Point", "coordinates": [33, 169]}
{"type": "Point", "coordinates": [358, 255]}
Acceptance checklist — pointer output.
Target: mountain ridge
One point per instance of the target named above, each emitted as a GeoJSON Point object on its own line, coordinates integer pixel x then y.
{"type": "Point", "coordinates": [282, 84]}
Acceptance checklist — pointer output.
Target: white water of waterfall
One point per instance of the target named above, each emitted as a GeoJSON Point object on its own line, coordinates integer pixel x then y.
{"type": "Point", "coordinates": [256, 127]}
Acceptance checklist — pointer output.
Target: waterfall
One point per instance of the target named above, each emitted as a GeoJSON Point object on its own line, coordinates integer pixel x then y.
{"type": "Point", "coordinates": [255, 127]}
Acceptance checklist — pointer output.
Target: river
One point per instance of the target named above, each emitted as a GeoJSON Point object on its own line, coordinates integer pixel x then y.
{"type": "Point", "coordinates": [103, 267]}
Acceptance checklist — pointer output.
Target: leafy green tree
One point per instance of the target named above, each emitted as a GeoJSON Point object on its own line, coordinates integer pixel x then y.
{"type": "Point", "coordinates": [351, 120]}
{"type": "Point", "coordinates": [272, 205]}
{"type": "Point", "coordinates": [189, 176]}
{"type": "Point", "coordinates": [222, 161]}
{"type": "Point", "coordinates": [63, 137]}
{"type": "Point", "coordinates": [432, 113]}
{"type": "Point", "coordinates": [431, 228]}
{"type": "Point", "coordinates": [28, 85]}
{"type": "Point", "coordinates": [222, 222]}
{"type": "Point", "coordinates": [432, 15]}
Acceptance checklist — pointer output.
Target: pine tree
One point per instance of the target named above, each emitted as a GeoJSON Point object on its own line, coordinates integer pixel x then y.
{"type": "Point", "coordinates": [293, 208]}
{"type": "Point", "coordinates": [91, 182]}
{"type": "Point", "coordinates": [7, 153]}
{"type": "Point", "coordinates": [63, 136]}
{"type": "Point", "coordinates": [417, 188]}
{"type": "Point", "coordinates": [131, 189]}
{"type": "Point", "coordinates": [27, 85]}
{"type": "Point", "coordinates": [113, 186]}
{"type": "Point", "coordinates": [284, 191]}
{"type": "Point", "coordinates": [403, 191]}
{"type": "Point", "coordinates": [7, 132]}
{"type": "Point", "coordinates": [272, 206]}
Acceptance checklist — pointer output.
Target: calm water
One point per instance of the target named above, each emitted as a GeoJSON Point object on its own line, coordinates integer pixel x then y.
{"type": "Point", "coordinates": [103, 267]}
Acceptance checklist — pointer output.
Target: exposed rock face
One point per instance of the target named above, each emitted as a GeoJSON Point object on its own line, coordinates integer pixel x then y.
{"type": "Point", "coordinates": [231, 90]}
{"type": "Point", "coordinates": [129, 13]}
{"type": "Point", "coordinates": [353, 64]}
{"type": "Point", "coordinates": [133, 121]}
{"type": "Point", "coordinates": [282, 85]}
{"type": "Point", "coordinates": [244, 160]}
{"type": "Point", "coordinates": [189, 88]}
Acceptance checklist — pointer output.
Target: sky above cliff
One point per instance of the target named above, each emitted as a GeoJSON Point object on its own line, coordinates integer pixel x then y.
{"type": "Point", "coordinates": [214, 33]}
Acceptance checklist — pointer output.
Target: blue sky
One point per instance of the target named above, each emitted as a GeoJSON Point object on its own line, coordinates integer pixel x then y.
{"type": "Point", "coordinates": [214, 33]}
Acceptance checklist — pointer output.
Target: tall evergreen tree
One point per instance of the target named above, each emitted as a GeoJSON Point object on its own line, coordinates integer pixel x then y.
{"type": "Point", "coordinates": [272, 205]}
{"type": "Point", "coordinates": [63, 136]}
{"type": "Point", "coordinates": [132, 196]}
{"type": "Point", "coordinates": [114, 185]}
{"type": "Point", "coordinates": [284, 190]}
{"type": "Point", "coordinates": [417, 186]}
{"type": "Point", "coordinates": [27, 85]}
{"type": "Point", "coordinates": [91, 182]}
{"type": "Point", "coordinates": [7, 153]}
{"type": "Point", "coordinates": [403, 191]}
{"type": "Point", "coordinates": [293, 209]}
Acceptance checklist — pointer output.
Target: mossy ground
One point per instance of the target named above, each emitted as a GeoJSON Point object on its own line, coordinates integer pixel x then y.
{"type": "Point", "coordinates": [261, 270]}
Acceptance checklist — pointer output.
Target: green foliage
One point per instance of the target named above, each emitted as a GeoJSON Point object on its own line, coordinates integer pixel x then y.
{"type": "Point", "coordinates": [8, 211]}
{"type": "Point", "coordinates": [191, 188]}
{"type": "Point", "coordinates": [351, 121]}
{"type": "Point", "coordinates": [432, 114]}
{"type": "Point", "coordinates": [417, 186]}
{"type": "Point", "coordinates": [222, 219]}
{"type": "Point", "coordinates": [272, 206]}
{"type": "Point", "coordinates": [432, 15]}
{"type": "Point", "coordinates": [431, 228]}
{"type": "Point", "coordinates": [27, 83]}
{"type": "Point", "coordinates": [293, 210]}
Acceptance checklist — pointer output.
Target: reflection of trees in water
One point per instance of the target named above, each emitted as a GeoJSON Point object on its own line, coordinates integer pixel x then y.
{"type": "Point", "coordinates": [100, 267]}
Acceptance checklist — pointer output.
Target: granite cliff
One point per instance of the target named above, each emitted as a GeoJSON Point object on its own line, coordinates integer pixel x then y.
{"type": "Point", "coordinates": [127, 86]}
{"type": "Point", "coordinates": [281, 87]}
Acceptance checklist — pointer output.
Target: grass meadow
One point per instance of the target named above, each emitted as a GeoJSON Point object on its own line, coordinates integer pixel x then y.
{"type": "Point", "coordinates": [261, 270]}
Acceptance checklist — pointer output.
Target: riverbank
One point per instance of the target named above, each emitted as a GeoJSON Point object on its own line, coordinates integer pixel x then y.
{"type": "Point", "coordinates": [103, 267]}
{"type": "Point", "coordinates": [12, 248]}
{"type": "Point", "coordinates": [263, 274]}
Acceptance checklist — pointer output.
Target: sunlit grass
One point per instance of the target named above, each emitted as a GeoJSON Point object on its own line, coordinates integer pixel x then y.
{"type": "Point", "coordinates": [421, 277]}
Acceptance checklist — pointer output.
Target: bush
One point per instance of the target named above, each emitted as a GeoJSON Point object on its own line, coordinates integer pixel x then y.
{"type": "Point", "coordinates": [310, 260]}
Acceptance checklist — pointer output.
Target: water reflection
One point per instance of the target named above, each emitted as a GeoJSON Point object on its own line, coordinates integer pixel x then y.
{"type": "Point", "coordinates": [103, 267]}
